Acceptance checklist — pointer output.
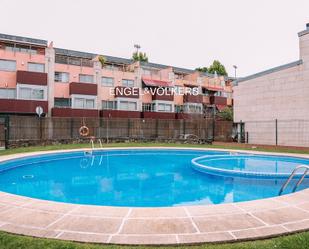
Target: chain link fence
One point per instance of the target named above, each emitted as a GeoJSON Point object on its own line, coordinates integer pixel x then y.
{"type": "Point", "coordinates": [278, 132]}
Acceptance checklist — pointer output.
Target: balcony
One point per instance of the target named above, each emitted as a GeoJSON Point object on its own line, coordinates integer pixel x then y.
{"type": "Point", "coordinates": [21, 106]}
{"type": "Point", "coordinates": [217, 100]}
{"type": "Point", "coordinates": [189, 98]}
{"type": "Point", "coordinates": [206, 100]}
{"type": "Point", "coordinates": [31, 78]}
{"type": "Point", "coordinates": [126, 92]}
{"type": "Point", "coordinates": [83, 88]}
{"type": "Point", "coordinates": [69, 112]}
{"type": "Point", "coordinates": [164, 97]}
{"type": "Point", "coordinates": [119, 114]}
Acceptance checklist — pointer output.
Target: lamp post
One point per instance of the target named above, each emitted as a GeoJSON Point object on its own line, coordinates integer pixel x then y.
{"type": "Point", "coordinates": [137, 47]}
{"type": "Point", "coordinates": [235, 69]}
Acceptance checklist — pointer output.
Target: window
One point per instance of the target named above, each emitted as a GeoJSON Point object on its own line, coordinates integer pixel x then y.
{"type": "Point", "coordinates": [162, 107]}
{"type": "Point", "coordinates": [128, 105]}
{"type": "Point", "coordinates": [31, 93]}
{"type": "Point", "coordinates": [107, 81]}
{"type": "Point", "coordinates": [89, 103]}
{"type": "Point", "coordinates": [193, 108]}
{"type": "Point", "coordinates": [148, 107]}
{"type": "Point", "coordinates": [7, 65]}
{"type": "Point", "coordinates": [109, 67]}
{"type": "Point", "coordinates": [6, 93]}
{"type": "Point", "coordinates": [83, 103]}
{"type": "Point", "coordinates": [62, 102]}
{"type": "Point", "coordinates": [86, 78]}
{"type": "Point", "coordinates": [79, 103]}
{"type": "Point", "coordinates": [62, 77]}
{"type": "Point", "coordinates": [36, 67]}
{"type": "Point", "coordinates": [20, 48]}
{"type": "Point", "coordinates": [178, 108]}
{"type": "Point", "coordinates": [109, 105]}
{"type": "Point", "coordinates": [128, 83]}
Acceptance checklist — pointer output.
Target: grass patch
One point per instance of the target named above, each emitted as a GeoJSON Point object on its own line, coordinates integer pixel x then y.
{"type": "Point", "coordinates": [231, 146]}
{"type": "Point", "coordinates": [10, 241]}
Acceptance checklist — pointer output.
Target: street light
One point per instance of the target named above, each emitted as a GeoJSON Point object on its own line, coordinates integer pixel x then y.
{"type": "Point", "coordinates": [137, 47]}
{"type": "Point", "coordinates": [235, 68]}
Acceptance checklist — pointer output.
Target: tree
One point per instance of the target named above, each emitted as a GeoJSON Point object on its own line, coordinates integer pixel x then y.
{"type": "Point", "coordinates": [139, 56]}
{"type": "Point", "coordinates": [217, 67]}
{"type": "Point", "coordinates": [102, 60]}
{"type": "Point", "coordinates": [202, 69]}
{"type": "Point", "coordinates": [226, 114]}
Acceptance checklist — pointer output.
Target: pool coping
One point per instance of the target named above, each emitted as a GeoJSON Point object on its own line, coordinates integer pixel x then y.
{"type": "Point", "coordinates": [230, 222]}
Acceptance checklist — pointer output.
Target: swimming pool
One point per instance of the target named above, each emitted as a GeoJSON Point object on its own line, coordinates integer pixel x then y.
{"type": "Point", "coordinates": [140, 178]}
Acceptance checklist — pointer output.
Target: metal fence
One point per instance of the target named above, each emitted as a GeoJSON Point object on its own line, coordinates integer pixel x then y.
{"type": "Point", "coordinates": [33, 129]}
{"type": "Point", "coordinates": [277, 132]}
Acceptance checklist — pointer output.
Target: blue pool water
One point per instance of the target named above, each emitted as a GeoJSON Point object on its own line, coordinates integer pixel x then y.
{"type": "Point", "coordinates": [140, 178]}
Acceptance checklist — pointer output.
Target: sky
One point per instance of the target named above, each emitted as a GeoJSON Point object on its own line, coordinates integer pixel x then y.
{"type": "Point", "coordinates": [252, 34]}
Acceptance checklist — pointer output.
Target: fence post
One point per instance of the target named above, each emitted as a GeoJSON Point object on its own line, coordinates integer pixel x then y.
{"type": "Point", "coordinates": [276, 127]}
{"type": "Point", "coordinates": [157, 128]}
{"type": "Point", "coordinates": [40, 127]}
{"type": "Point", "coordinates": [6, 131]}
{"type": "Point", "coordinates": [71, 128]}
{"type": "Point", "coordinates": [129, 126]}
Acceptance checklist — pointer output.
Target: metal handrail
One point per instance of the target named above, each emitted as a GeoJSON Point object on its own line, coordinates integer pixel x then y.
{"type": "Point", "coordinates": [100, 142]}
{"type": "Point", "coordinates": [92, 144]}
{"type": "Point", "coordinates": [306, 167]}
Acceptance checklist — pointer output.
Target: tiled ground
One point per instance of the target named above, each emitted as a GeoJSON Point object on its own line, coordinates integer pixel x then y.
{"type": "Point", "coordinates": [175, 225]}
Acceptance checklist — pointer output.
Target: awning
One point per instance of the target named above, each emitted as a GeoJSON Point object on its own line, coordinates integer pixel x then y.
{"type": "Point", "coordinates": [221, 107]}
{"type": "Point", "coordinates": [190, 85]}
{"type": "Point", "coordinates": [157, 83]}
{"type": "Point", "coordinates": [213, 88]}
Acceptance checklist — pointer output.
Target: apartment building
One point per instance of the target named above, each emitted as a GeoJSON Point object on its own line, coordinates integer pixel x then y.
{"type": "Point", "coordinates": [68, 83]}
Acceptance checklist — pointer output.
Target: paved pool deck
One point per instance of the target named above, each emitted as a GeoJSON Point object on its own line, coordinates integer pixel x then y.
{"type": "Point", "coordinates": [155, 226]}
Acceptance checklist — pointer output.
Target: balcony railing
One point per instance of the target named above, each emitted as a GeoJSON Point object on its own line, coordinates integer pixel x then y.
{"type": "Point", "coordinates": [31, 78]}
{"type": "Point", "coordinates": [217, 100]}
{"type": "Point", "coordinates": [22, 106]}
{"type": "Point", "coordinates": [83, 88]}
{"type": "Point", "coordinates": [126, 92]}
{"type": "Point", "coordinates": [193, 98]}
{"type": "Point", "coordinates": [165, 97]}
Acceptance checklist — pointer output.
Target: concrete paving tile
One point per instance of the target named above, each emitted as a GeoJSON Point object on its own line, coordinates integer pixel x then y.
{"type": "Point", "coordinates": [87, 224]}
{"type": "Point", "coordinates": [298, 225]}
{"type": "Point", "coordinates": [101, 211]}
{"type": "Point", "coordinates": [144, 239]}
{"type": "Point", "coordinates": [261, 232]}
{"type": "Point", "coordinates": [14, 200]}
{"type": "Point", "coordinates": [84, 237]}
{"type": "Point", "coordinates": [258, 205]}
{"type": "Point", "coordinates": [28, 217]}
{"type": "Point", "coordinates": [50, 206]}
{"type": "Point", "coordinates": [226, 222]}
{"type": "Point", "coordinates": [158, 226]}
{"type": "Point", "coordinates": [206, 237]}
{"type": "Point", "coordinates": [208, 210]}
{"type": "Point", "coordinates": [282, 215]}
{"type": "Point", "coordinates": [158, 212]}
{"type": "Point", "coordinates": [29, 231]}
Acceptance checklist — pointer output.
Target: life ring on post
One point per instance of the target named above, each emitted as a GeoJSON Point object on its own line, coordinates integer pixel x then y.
{"type": "Point", "coordinates": [84, 131]}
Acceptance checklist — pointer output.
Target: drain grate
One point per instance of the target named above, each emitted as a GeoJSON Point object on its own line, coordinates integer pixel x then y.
{"type": "Point", "coordinates": [28, 176]}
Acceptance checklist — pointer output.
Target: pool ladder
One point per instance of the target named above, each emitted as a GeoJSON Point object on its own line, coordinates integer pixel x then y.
{"type": "Point", "coordinates": [92, 141]}
{"type": "Point", "coordinates": [292, 175]}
